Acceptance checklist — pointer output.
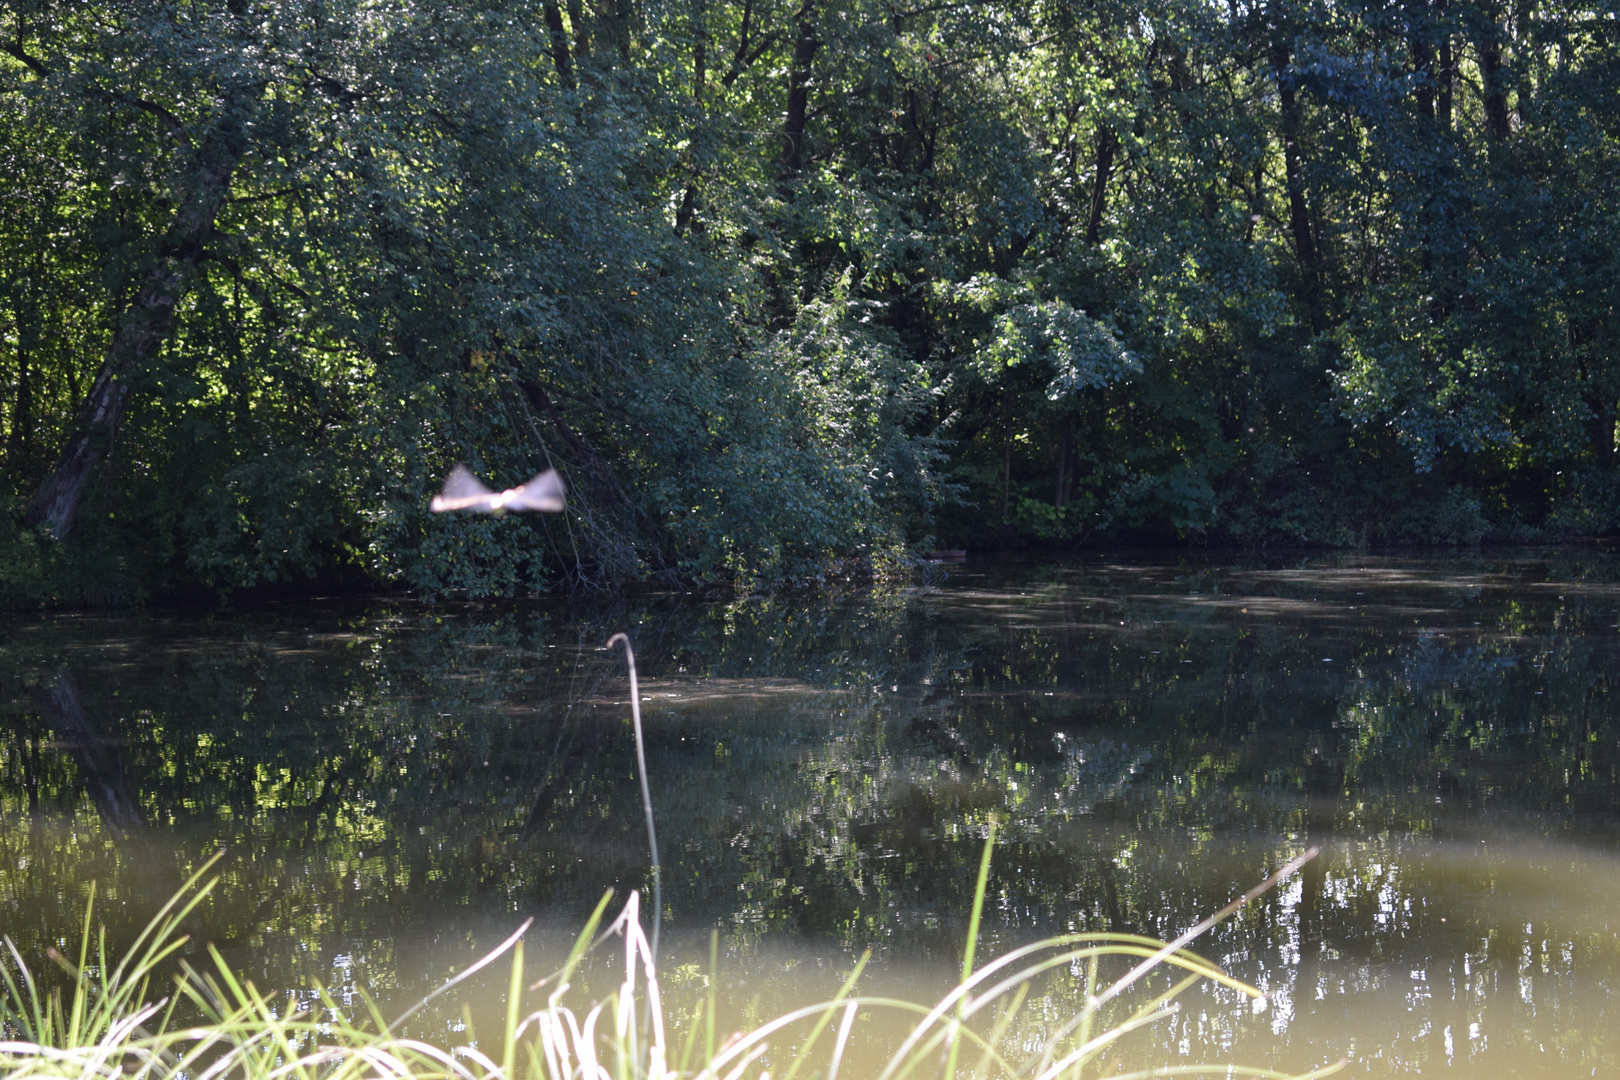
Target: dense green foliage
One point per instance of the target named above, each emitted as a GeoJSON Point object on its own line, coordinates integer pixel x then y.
{"type": "Point", "coordinates": [783, 285]}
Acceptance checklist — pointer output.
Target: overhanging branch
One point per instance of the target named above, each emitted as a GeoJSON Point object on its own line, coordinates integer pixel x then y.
{"type": "Point", "coordinates": [35, 65]}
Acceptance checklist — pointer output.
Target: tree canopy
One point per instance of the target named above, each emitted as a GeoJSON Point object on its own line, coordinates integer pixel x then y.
{"type": "Point", "coordinates": [782, 286]}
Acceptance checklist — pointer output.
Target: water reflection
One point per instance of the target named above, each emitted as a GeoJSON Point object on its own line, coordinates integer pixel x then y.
{"type": "Point", "coordinates": [395, 786]}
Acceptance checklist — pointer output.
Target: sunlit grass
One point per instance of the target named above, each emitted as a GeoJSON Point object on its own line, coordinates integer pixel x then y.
{"type": "Point", "coordinates": [120, 1018]}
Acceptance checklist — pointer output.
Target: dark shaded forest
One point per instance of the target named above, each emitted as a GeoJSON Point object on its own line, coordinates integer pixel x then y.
{"type": "Point", "coordinates": [792, 287]}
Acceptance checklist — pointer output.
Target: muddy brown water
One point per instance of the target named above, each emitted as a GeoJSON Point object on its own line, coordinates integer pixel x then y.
{"type": "Point", "coordinates": [395, 788]}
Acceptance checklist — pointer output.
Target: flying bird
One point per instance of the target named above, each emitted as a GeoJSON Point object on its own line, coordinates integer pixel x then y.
{"type": "Point", "coordinates": [462, 491]}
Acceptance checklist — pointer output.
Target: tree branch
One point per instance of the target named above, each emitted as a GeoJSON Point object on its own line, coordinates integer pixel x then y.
{"type": "Point", "coordinates": [171, 121]}
{"type": "Point", "coordinates": [36, 66]}
{"type": "Point", "coordinates": [266, 195]}
{"type": "Point", "coordinates": [742, 62]}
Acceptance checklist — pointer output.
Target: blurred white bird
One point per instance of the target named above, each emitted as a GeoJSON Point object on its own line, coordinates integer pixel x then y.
{"type": "Point", "coordinates": [462, 491]}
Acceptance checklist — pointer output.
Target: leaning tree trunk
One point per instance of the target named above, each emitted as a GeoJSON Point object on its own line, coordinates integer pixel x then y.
{"type": "Point", "coordinates": [142, 327]}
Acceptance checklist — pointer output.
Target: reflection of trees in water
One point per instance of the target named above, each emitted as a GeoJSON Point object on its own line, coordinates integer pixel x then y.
{"type": "Point", "coordinates": [370, 779]}
{"type": "Point", "coordinates": [820, 769]}
{"type": "Point", "coordinates": [1527, 722]}
{"type": "Point", "coordinates": [101, 767]}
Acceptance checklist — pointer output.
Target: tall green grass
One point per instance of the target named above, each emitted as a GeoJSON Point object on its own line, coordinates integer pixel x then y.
{"type": "Point", "coordinates": [120, 1019]}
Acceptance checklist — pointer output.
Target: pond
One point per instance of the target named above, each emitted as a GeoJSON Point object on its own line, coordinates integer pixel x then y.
{"type": "Point", "coordinates": [395, 787]}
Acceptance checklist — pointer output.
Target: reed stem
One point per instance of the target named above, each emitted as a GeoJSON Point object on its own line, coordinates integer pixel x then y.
{"type": "Point", "coordinates": [646, 792]}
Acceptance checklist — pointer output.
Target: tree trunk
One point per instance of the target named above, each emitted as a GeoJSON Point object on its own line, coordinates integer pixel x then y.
{"type": "Point", "coordinates": [19, 443]}
{"type": "Point", "coordinates": [1495, 94]}
{"type": "Point", "coordinates": [27, 319]}
{"type": "Point", "coordinates": [684, 212]}
{"type": "Point", "coordinates": [582, 34]}
{"type": "Point", "coordinates": [1423, 65]}
{"type": "Point", "coordinates": [798, 99]}
{"type": "Point", "coordinates": [1006, 480]}
{"type": "Point", "coordinates": [700, 59]}
{"type": "Point", "coordinates": [142, 327]}
{"type": "Point", "coordinates": [559, 43]}
{"type": "Point", "coordinates": [620, 27]}
{"type": "Point", "coordinates": [1060, 496]}
{"type": "Point", "coordinates": [1448, 78]}
{"type": "Point", "coordinates": [1299, 217]}
{"type": "Point", "coordinates": [1603, 432]}
{"type": "Point", "coordinates": [1598, 392]}
{"type": "Point", "coordinates": [1107, 143]}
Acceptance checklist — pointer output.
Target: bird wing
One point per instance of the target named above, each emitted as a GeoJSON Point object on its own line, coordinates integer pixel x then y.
{"type": "Point", "coordinates": [462, 491]}
{"type": "Point", "coordinates": [544, 492]}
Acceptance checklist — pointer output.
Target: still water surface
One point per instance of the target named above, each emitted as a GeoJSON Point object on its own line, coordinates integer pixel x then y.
{"type": "Point", "coordinates": [395, 787]}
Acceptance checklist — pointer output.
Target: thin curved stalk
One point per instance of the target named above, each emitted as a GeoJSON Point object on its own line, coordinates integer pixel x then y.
{"type": "Point", "coordinates": [646, 792]}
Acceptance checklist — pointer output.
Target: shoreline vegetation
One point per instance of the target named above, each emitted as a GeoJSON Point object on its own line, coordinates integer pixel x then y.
{"type": "Point", "coordinates": [152, 1015]}
{"type": "Point", "coordinates": [44, 581]}
{"type": "Point", "coordinates": [787, 290]}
